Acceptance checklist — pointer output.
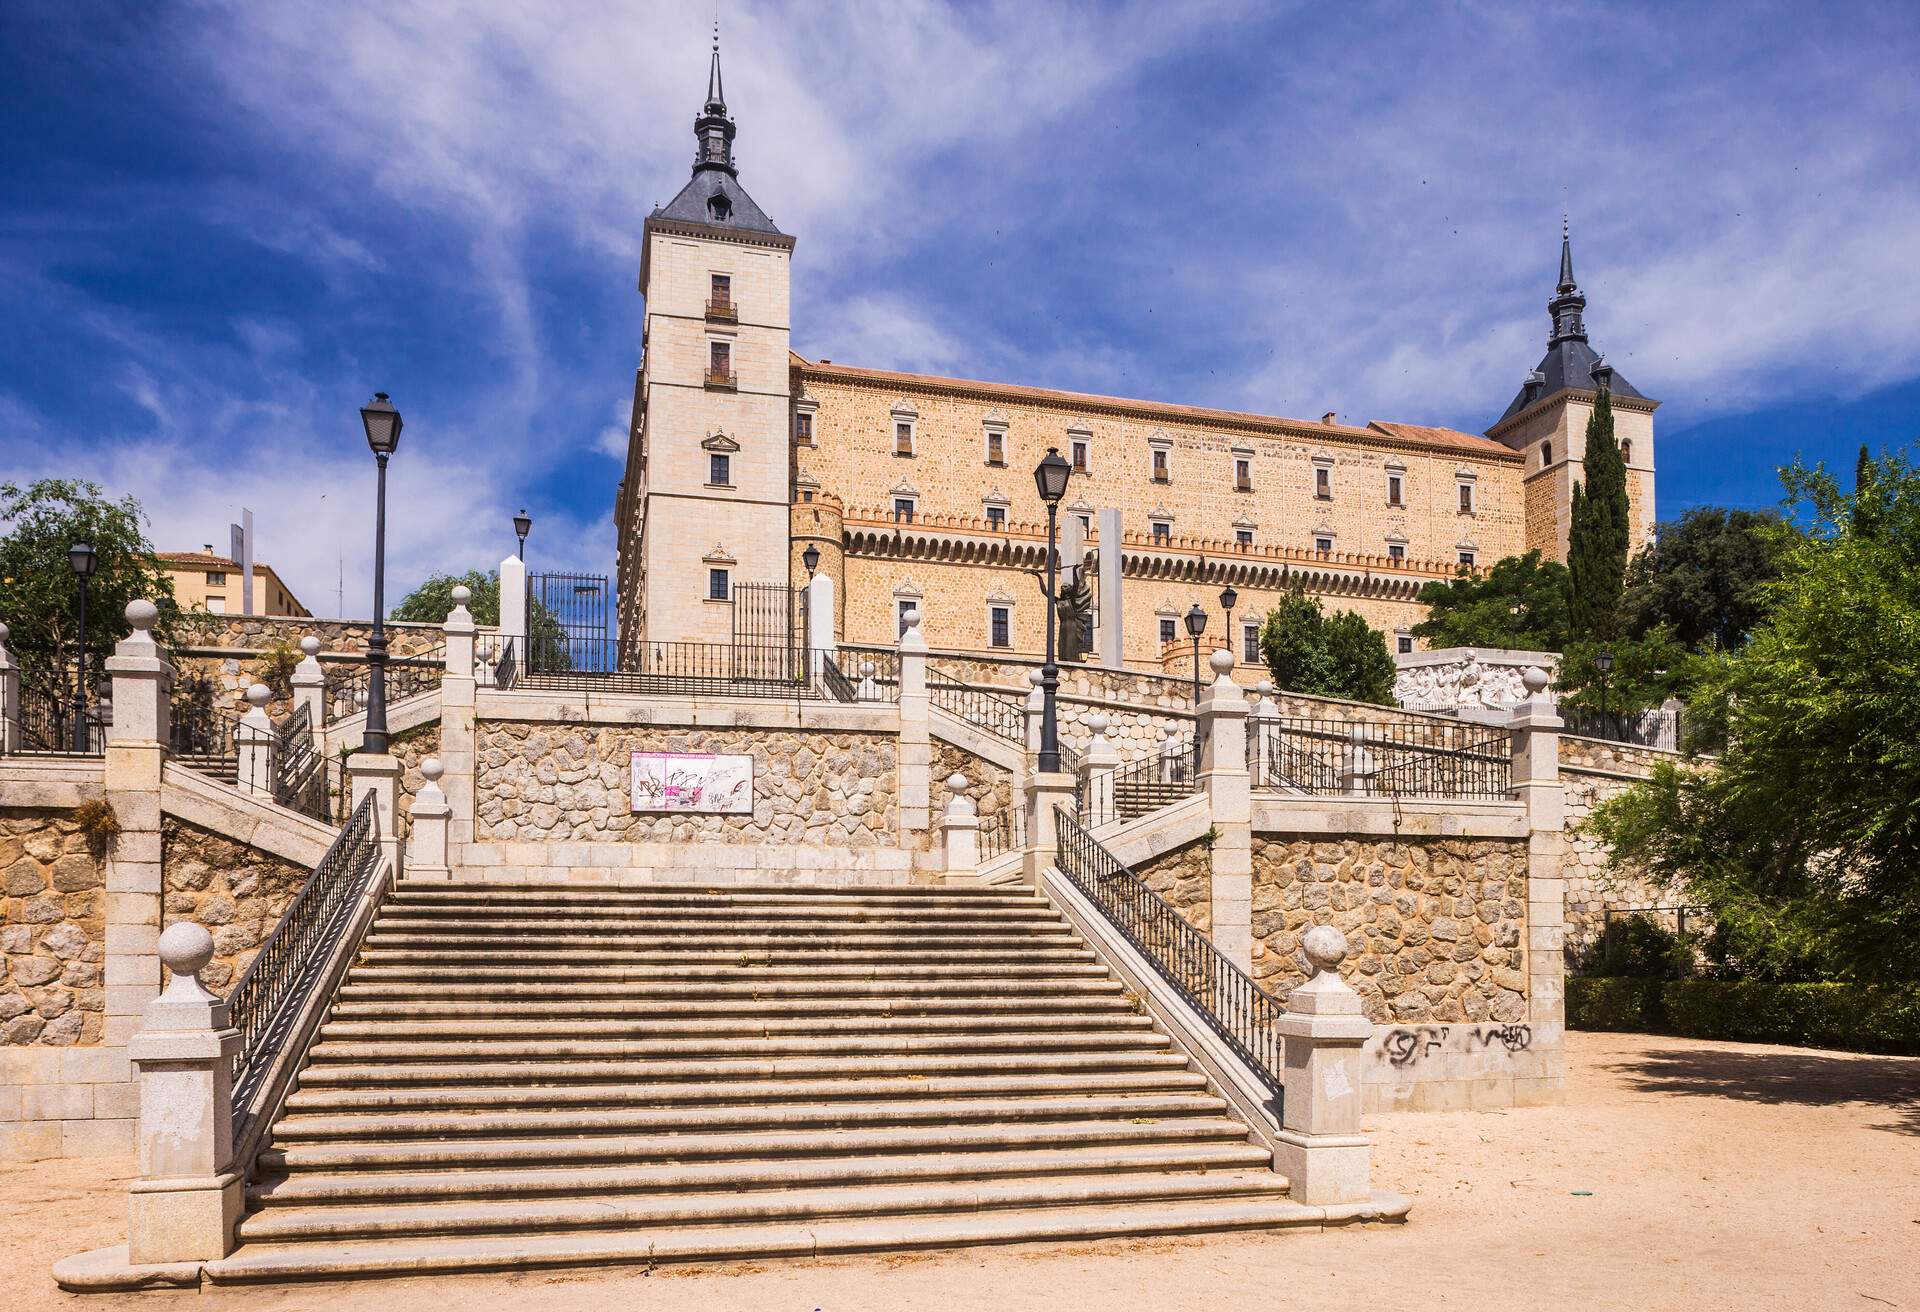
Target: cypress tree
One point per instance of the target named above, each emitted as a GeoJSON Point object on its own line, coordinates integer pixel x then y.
{"type": "Point", "coordinates": [1598, 536]}
{"type": "Point", "coordinates": [1866, 500]}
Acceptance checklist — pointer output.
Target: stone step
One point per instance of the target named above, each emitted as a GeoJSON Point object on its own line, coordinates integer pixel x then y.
{"type": "Point", "coordinates": [538, 890]}
{"type": "Point", "coordinates": [442, 1254]}
{"type": "Point", "coordinates": [374, 1187]}
{"type": "Point", "coordinates": [1038, 1046]}
{"type": "Point", "coordinates": [652, 1212]}
{"type": "Point", "coordinates": [593, 909]}
{"type": "Point", "coordinates": [534, 1011]}
{"type": "Point", "coordinates": [294, 1130]}
{"type": "Point", "coordinates": [456, 993]}
{"type": "Point", "coordinates": [730, 971]}
{"type": "Point", "coordinates": [554, 1075]}
{"type": "Point", "coordinates": [377, 1095]}
{"type": "Point", "coordinates": [749, 1145]}
{"type": "Point", "coordinates": [745, 937]}
{"type": "Point", "coordinates": [708, 952]}
{"type": "Point", "coordinates": [773, 1023]}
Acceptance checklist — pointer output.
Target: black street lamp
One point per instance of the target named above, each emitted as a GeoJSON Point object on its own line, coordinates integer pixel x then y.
{"type": "Point", "coordinates": [522, 522]}
{"type": "Point", "coordinates": [1228, 599]}
{"type": "Point", "coordinates": [1604, 663]}
{"type": "Point", "coordinates": [1196, 621]}
{"type": "Point", "coordinates": [1050, 477]}
{"type": "Point", "coordinates": [85, 560]}
{"type": "Point", "coordinates": [382, 423]}
{"type": "Point", "coordinates": [811, 559]}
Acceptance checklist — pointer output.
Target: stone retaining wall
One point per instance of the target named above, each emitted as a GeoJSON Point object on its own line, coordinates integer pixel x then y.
{"type": "Point", "coordinates": [990, 786]}
{"type": "Point", "coordinates": [1184, 877]}
{"type": "Point", "coordinates": [52, 931]}
{"type": "Point", "coordinates": [1592, 888]}
{"type": "Point", "coordinates": [238, 893]}
{"type": "Point", "coordinates": [1436, 927]}
{"type": "Point", "coordinates": [569, 783]}
{"type": "Point", "coordinates": [1600, 754]}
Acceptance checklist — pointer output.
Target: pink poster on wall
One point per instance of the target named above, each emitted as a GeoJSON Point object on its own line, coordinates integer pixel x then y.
{"type": "Point", "coordinates": [686, 781]}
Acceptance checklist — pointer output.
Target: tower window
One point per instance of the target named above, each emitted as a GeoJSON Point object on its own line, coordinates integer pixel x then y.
{"type": "Point", "coordinates": [903, 510]}
{"type": "Point", "coordinates": [718, 588]}
{"type": "Point", "coordinates": [1323, 483]}
{"type": "Point", "coordinates": [996, 447]}
{"type": "Point", "coordinates": [719, 469]}
{"type": "Point", "coordinates": [1086, 525]}
{"type": "Point", "coordinates": [902, 437]}
{"type": "Point", "coordinates": [1396, 490]}
{"type": "Point", "coordinates": [1626, 451]}
{"type": "Point", "coordinates": [996, 516]}
{"type": "Point", "coordinates": [1546, 454]}
{"type": "Point", "coordinates": [1466, 498]}
{"type": "Point", "coordinates": [1403, 643]}
{"type": "Point", "coordinates": [803, 428]}
{"type": "Point", "coordinates": [1000, 626]}
{"type": "Point", "coordinates": [1242, 474]}
{"type": "Point", "coordinates": [1168, 629]}
{"type": "Point", "coordinates": [1079, 455]}
{"type": "Point", "coordinates": [1161, 471]}
{"type": "Point", "coordinates": [1162, 530]}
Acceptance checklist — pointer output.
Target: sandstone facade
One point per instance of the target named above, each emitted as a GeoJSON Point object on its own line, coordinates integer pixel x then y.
{"type": "Point", "coordinates": [1437, 927]}
{"type": "Point", "coordinates": [236, 892]}
{"type": "Point", "coordinates": [1184, 877]}
{"type": "Point", "coordinates": [546, 782]}
{"type": "Point", "coordinates": [52, 931]}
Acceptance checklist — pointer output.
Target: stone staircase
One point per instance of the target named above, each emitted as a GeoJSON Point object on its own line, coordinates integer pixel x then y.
{"type": "Point", "coordinates": [1135, 797]}
{"type": "Point", "coordinates": [518, 1076]}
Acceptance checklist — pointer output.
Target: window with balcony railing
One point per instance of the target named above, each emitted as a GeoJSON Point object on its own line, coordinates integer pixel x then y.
{"type": "Point", "coordinates": [1079, 457]}
{"type": "Point", "coordinates": [719, 364]}
{"type": "Point", "coordinates": [1243, 476]}
{"type": "Point", "coordinates": [720, 298]}
{"type": "Point", "coordinates": [1161, 472]}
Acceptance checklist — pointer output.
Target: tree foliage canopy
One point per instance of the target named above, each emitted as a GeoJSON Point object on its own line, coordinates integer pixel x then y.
{"type": "Point", "coordinates": [1521, 603]}
{"type": "Point", "coordinates": [1598, 536]}
{"type": "Point", "coordinates": [39, 592]}
{"type": "Point", "coordinates": [432, 602]}
{"type": "Point", "coordinates": [1703, 576]}
{"type": "Point", "coordinates": [1804, 839]}
{"type": "Point", "coordinates": [1338, 655]}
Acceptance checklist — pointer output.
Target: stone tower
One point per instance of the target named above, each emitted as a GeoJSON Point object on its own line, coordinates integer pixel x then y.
{"type": "Point", "coordinates": [704, 503]}
{"type": "Point", "coordinates": [1547, 422]}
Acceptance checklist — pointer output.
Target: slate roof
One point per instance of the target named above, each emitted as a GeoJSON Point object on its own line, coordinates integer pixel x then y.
{"type": "Point", "coordinates": [691, 205]}
{"type": "Point", "coordinates": [1569, 361]}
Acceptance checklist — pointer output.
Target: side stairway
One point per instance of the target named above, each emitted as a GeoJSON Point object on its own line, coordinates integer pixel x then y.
{"type": "Point", "coordinates": [516, 1076]}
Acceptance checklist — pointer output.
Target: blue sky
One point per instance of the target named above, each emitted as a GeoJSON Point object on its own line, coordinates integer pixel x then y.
{"type": "Point", "coordinates": [225, 224]}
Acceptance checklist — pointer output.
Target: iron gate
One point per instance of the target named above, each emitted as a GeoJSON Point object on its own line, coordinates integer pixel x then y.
{"type": "Point", "coordinates": [769, 632]}
{"type": "Point", "coordinates": [569, 623]}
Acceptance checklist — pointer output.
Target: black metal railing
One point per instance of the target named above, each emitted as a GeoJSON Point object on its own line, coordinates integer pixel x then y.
{"type": "Point", "coordinates": [1242, 1013]}
{"type": "Point", "coordinates": [496, 660]}
{"type": "Point", "coordinates": [268, 1000]}
{"type": "Point", "coordinates": [870, 677]}
{"type": "Point", "coordinates": [44, 727]}
{"type": "Point", "coordinates": [300, 772]}
{"type": "Point", "coordinates": [1005, 831]}
{"type": "Point", "coordinates": [1139, 787]}
{"type": "Point", "coordinates": [1002, 714]}
{"type": "Point", "coordinates": [1656, 728]}
{"type": "Point", "coordinates": [346, 687]}
{"type": "Point", "coordinates": [1416, 758]}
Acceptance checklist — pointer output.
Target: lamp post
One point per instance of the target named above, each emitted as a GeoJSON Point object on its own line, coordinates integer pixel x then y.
{"type": "Point", "coordinates": [1228, 598]}
{"type": "Point", "coordinates": [522, 522]}
{"type": "Point", "coordinates": [1196, 621]}
{"type": "Point", "coordinates": [84, 560]}
{"type": "Point", "coordinates": [811, 559]}
{"type": "Point", "coordinates": [1604, 663]}
{"type": "Point", "coordinates": [1050, 478]}
{"type": "Point", "coordinates": [382, 423]}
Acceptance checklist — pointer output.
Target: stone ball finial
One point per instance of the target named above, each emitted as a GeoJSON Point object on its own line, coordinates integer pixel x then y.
{"type": "Point", "coordinates": [1325, 946]}
{"type": "Point", "coordinates": [431, 769]}
{"type": "Point", "coordinates": [185, 948]}
{"type": "Point", "coordinates": [867, 668]}
{"type": "Point", "coordinates": [1535, 680]}
{"type": "Point", "coordinates": [1035, 677]}
{"type": "Point", "coordinates": [1166, 731]}
{"type": "Point", "coordinates": [259, 694]}
{"type": "Point", "coordinates": [956, 782]}
{"type": "Point", "coordinates": [1265, 687]}
{"type": "Point", "coordinates": [1098, 723]}
{"type": "Point", "coordinates": [911, 619]}
{"type": "Point", "coordinates": [310, 645]}
{"type": "Point", "coordinates": [1221, 661]}
{"type": "Point", "coordinates": [142, 614]}
{"type": "Point", "coordinates": [4, 631]}
{"type": "Point", "coordinates": [462, 594]}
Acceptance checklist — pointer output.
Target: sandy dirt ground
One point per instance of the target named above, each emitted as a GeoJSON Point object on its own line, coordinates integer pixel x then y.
{"type": "Point", "coordinates": [1679, 1174]}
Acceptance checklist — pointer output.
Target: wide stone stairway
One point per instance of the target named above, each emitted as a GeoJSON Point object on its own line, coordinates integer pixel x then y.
{"type": "Point", "coordinates": [517, 1076]}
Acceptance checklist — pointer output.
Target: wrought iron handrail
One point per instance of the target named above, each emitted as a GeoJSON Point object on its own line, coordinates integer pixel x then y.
{"type": "Point", "coordinates": [1005, 831]}
{"type": "Point", "coordinates": [44, 726]}
{"type": "Point", "coordinates": [270, 996]}
{"type": "Point", "coordinates": [838, 685]}
{"type": "Point", "coordinates": [1242, 1013]}
{"type": "Point", "coordinates": [1657, 728]}
{"type": "Point", "coordinates": [197, 729]}
{"type": "Point", "coordinates": [1139, 786]}
{"type": "Point", "coordinates": [299, 771]}
{"type": "Point", "coordinates": [996, 712]}
{"type": "Point", "coordinates": [346, 687]}
{"type": "Point", "coordinates": [1456, 759]}
{"type": "Point", "coordinates": [496, 660]}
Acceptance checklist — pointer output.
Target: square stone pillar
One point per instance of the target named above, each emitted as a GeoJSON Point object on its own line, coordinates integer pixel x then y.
{"type": "Point", "coordinates": [513, 607]}
{"type": "Point", "coordinates": [1222, 725]}
{"type": "Point", "coordinates": [457, 728]}
{"type": "Point", "coordinates": [136, 753]}
{"type": "Point", "coordinates": [916, 733]}
{"type": "Point", "coordinates": [254, 744]}
{"type": "Point", "coordinates": [379, 775]}
{"type": "Point", "coordinates": [821, 643]}
{"type": "Point", "coordinates": [960, 829]}
{"type": "Point", "coordinates": [1097, 769]}
{"type": "Point", "coordinates": [184, 1204]}
{"type": "Point", "coordinates": [1536, 726]}
{"type": "Point", "coordinates": [1319, 1147]}
{"type": "Point", "coordinates": [427, 847]}
{"type": "Point", "coordinates": [310, 690]}
{"type": "Point", "coordinates": [9, 698]}
{"type": "Point", "coordinates": [1042, 793]}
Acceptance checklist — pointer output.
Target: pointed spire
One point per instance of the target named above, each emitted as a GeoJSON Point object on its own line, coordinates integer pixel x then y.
{"type": "Point", "coordinates": [716, 94]}
{"type": "Point", "coordinates": [1566, 246]}
{"type": "Point", "coordinates": [1567, 302]}
{"type": "Point", "coordinates": [714, 129]}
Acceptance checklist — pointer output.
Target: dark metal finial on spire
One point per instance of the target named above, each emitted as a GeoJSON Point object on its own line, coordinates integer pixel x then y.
{"type": "Point", "coordinates": [1566, 256]}
{"type": "Point", "coordinates": [716, 94]}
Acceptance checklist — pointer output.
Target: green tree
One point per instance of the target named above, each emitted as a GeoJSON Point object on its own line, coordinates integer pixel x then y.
{"type": "Point", "coordinates": [1598, 536]}
{"type": "Point", "coordinates": [1521, 603]}
{"type": "Point", "coordinates": [1804, 839]}
{"type": "Point", "coordinates": [432, 602]}
{"type": "Point", "coordinates": [1337, 655]}
{"type": "Point", "coordinates": [1704, 576]}
{"type": "Point", "coordinates": [1646, 671]}
{"type": "Point", "coordinates": [39, 591]}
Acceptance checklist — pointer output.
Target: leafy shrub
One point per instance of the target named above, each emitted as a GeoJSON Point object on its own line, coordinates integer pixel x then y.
{"type": "Point", "coordinates": [1614, 1004]}
{"type": "Point", "coordinates": [1858, 1017]}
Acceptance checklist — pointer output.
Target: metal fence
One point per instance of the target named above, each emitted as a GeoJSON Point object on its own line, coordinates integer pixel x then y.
{"type": "Point", "coordinates": [875, 677]}
{"type": "Point", "coordinates": [1410, 759]}
{"type": "Point", "coordinates": [1662, 729]}
{"type": "Point", "coordinates": [45, 727]}
{"type": "Point", "coordinates": [345, 691]}
{"type": "Point", "coordinates": [1003, 832]}
{"type": "Point", "coordinates": [1242, 1013]}
{"type": "Point", "coordinates": [1000, 714]}
{"type": "Point", "coordinates": [1140, 787]}
{"type": "Point", "coordinates": [268, 1000]}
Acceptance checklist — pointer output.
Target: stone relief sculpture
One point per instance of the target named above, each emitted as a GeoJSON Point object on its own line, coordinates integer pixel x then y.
{"type": "Point", "coordinates": [1462, 677]}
